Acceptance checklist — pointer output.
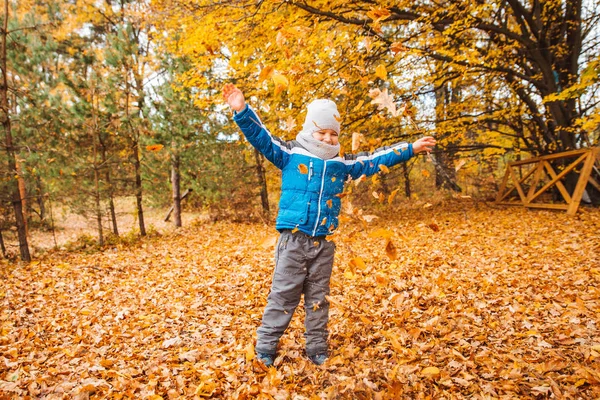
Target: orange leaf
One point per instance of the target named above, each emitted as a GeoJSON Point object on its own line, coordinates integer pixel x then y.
{"type": "Point", "coordinates": [329, 203]}
{"type": "Point", "coordinates": [392, 195]}
{"type": "Point", "coordinates": [426, 173]}
{"type": "Point", "coordinates": [303, 169]}
{"type": "Point", "coordinates": [391, 251]}
{"type": "Point", "coordinates": [358, 263]}
{"type": "Point", "coordinates": [154, 147]}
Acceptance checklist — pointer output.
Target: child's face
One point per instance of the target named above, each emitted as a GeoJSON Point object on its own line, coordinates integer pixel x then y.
{"type": "Point", "coordinates": [328, 136]}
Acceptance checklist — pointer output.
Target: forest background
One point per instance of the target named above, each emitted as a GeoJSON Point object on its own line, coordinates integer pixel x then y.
{"type": "Point", "coordinates": [120, 99]}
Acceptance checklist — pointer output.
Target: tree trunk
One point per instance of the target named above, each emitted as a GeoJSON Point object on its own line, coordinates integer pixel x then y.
{"type": "Point", "coordinates": [176, 184]}
{"type": "Point", "coordinates": [111, 201]}
{"type": "Point", "coordinates": [97, 199]}
{"type": "Point", "coordinates": [262, 182]}
{"type": "Point", "coordinates": [98, 206]}
{"type": "Point", "coordinates": [2, 246]}
{"type": "Point", "coordinates": [12, 165]}
{"type": "Point", "coordinates": [445, 175]}
{"type": "Point", "coordinates": [138, 187]}
{"type": "Point", "coordinates": [406, 173]}
{"type": "Point", "coordinates": [22, 193]}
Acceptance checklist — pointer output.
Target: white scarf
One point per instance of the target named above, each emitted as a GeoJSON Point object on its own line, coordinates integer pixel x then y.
{"type": "Point", "coordinates": [320, 149]}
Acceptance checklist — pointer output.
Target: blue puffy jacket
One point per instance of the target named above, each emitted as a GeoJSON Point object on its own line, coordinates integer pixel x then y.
{"type": "Point", "coordinates": [310, 186]}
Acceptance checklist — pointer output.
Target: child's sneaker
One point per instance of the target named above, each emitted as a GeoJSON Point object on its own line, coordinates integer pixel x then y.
{"type": "Point", "coordinates": [318, 359]}
{"type": "Point", "coordinates": [266, 358]}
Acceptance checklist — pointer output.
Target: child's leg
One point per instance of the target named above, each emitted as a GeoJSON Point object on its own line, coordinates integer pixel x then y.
{"type": "Point", "coordinates": [286, 289]}
{"type": "Point", "coordinates": [316, 287]}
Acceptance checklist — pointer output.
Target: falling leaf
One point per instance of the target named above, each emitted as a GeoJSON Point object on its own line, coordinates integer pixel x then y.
{"type": "Point", "coordinates": [290, 124]}
{"type": "Point", "coordinates": [303, 169]}
{"type": "Point", "coordinates": [381, 72]}
{"type": "Point", "coordinates": [265, 73]}
{"type": "Point", "coordinates": [356, 138]}
{"type": "Point", "coordinates": [383, 100]}
{"type": "Point", "coordinates": [392, 195]}
{"type": "Point", "coordinates": [154, 147]}
{"type": "Point", "coordinates": [333, 179]}
{"type": "Point", "coordinates": [459, 165]}
{"type": "Point", "coordinates": [384, 169]}
{"type": "Point", "coordinates": [324, 221]}
{"type": "Point", "coordinates": [329, 203]}
{"type": "Point", "coordinates": [391, 250]}
{"type": "Point", "coordinates": [397, 47]}
{"type": "Point", "coordinates": [434, 227]}
{"type": "Point", "coordinates": [379, 14]}
{"type": "Point", "coordinates": [280, 81]}
{"type": "Point", "coordinates": [369, 218]}
{"type": "Point", "coordinates": [268, 242]}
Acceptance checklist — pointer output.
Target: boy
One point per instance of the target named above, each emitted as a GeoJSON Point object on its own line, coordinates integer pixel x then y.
{"type": "Point", "coordinates": [313, 176]}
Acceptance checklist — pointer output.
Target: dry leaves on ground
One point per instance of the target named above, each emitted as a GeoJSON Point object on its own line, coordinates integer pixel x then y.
{"type": "Point", "coordinates": [493, 303]}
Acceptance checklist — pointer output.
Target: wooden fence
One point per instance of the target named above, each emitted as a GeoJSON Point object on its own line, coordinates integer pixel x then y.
{"type": "Point", "coordinates": [533, 177]}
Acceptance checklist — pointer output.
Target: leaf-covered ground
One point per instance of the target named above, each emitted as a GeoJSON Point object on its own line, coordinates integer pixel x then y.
{"type": "Point", "coordinates": [480, 302]}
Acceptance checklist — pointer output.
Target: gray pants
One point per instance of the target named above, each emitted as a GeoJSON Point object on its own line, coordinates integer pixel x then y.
{"type": "Point", "coordinates": [302, 266]}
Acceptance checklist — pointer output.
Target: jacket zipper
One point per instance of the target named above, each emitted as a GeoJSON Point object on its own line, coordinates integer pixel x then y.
{"type": "Point", "coordinates": [320, 196]}
{"type": "Point", "coordinates": [310, 170]}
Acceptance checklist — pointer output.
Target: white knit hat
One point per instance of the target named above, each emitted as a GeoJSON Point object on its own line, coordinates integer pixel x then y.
{"type": "Point", "coordinates": [321, 114]}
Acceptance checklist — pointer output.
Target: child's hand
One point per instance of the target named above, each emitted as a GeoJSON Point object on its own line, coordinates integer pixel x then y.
{"type": "Point", "coordinates": [234, 97]}
{"type": "Point", "coordinates": [424, 144]}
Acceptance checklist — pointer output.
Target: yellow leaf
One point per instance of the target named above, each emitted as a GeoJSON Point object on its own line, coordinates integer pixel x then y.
{"type": "Point", "coordinates": [265, 73]}
{"type": "Point", "coordinates": [382, 233]}
{"type": "Point", "coordinates": [280, 81]}
{"type": "Point", "coordinates": [349, 275]}
{"type": "Point", "coordinates": [384, 169]}
{"type": "Point", "coordinates": [392, 195]}
{"type": "Point", "coordinates": [295, 230]}
{"type": "Point", "coordinates": [324, 221]}
{"type": "Point", "coordinates": [358, 263]}
{"type": "Point", "coordinates": [430, 371]}
{"type": "Point", "coordinates": [356, 137]}
{"type": "Point", "coordinates": [381, 72]}
{"type": "Point", "coordinates": [303, 169]}
{"type": "Point", "coordinates": [250, 352]}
